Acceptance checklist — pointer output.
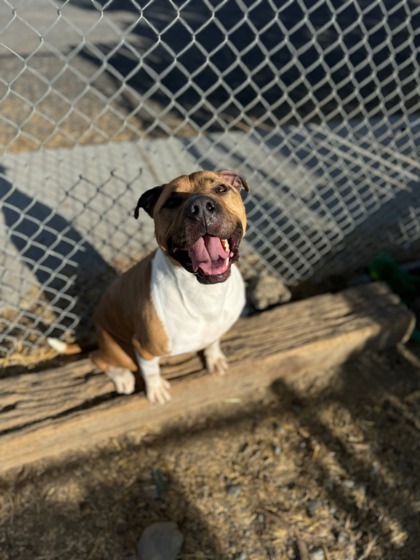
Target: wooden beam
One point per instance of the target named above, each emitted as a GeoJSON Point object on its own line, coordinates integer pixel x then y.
{"type": "Point", "coordinates": [48, 413]}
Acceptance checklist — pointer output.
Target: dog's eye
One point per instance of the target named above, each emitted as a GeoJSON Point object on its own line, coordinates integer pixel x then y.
{"type": "Point", "coordinates": [221, 189]}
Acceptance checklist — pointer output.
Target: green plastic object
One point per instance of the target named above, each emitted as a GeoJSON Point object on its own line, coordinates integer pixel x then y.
{"type": "Point", "coordinates": [406, 285]}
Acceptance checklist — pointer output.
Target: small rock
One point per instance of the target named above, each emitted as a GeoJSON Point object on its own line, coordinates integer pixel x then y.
{"type": "Point", "coordinates": [375, 467]}
{"type": "Point", "coordinates": [150, 491]}
{"type": "Point", "coordinates": [234, 490]}
{"type": "Point", "coordinates": [317, 554]}
{"type": "Point", "coordinates": [266, 290]}
{"type": "Point", "coordinates": [160, 480]}
{"type": "Point", "coordinates": [311, 507]}
{"type": "Point", "coordinates": [342, 538]}
{"type": "Point", "coordinates": [244, 446]}
{"type": "Point", "coordinates": [160, 541]}
{"type": "Point", "coordinates": [329, 484]}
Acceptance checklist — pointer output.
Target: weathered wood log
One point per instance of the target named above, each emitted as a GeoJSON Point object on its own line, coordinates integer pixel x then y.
{"type": "Point", "coordinates": [60, 410]}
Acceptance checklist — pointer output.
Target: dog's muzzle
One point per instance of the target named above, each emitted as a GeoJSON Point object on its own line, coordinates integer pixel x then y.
{"type": "Point", "coordinates": [211, 245]}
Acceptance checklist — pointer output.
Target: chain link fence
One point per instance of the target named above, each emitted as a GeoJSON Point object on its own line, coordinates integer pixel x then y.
{"type": "Point", "coordinates": [317, 103]}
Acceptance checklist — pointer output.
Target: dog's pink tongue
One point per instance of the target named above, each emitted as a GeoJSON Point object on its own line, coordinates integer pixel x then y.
{"type": "Point", "coordinates": [208, 254]}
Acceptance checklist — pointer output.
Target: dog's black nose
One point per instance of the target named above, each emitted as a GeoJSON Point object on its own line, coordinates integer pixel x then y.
{"type": "Point", "coordinates": [201, 208]}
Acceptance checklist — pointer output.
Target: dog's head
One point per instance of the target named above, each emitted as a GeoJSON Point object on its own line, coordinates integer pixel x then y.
{"type": "Point", "coordinates": [199, 221]}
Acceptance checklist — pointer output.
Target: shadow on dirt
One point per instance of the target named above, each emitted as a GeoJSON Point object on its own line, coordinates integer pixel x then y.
{"type": "Point", "coordinates": [90, 520]}
{"type": "Point", "coordinates": [356, 442]}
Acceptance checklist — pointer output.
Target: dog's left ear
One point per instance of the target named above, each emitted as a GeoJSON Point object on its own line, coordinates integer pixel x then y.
{"type": "Point", "coordinates": [234, 179]}
{"type": "Point", "coordinates": [147, 201]}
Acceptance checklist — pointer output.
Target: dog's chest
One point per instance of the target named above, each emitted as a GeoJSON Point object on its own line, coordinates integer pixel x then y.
{"type": "Point", "coordinates": [193, 315]}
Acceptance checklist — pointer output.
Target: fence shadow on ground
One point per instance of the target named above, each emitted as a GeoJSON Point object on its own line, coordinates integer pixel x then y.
{"type": "Point", "coordinates": [97, 506]}
{"type": "Point", "coordinates": [66, 267]}
{"type": "Point", "coordinates": [89, 519]}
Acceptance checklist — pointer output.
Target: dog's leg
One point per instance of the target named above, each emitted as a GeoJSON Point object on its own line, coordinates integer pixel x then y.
{"type": "Point", "coordinates": [157, 388]}
{"type": "Point", "coordinates": [123, 379]}
{"type": "Point", "coordinates": [216, 361]}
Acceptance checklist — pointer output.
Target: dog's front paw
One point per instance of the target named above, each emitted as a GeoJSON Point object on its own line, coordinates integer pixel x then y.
{"type": "Point", "coordinates": [157, 389]}
{"type": "Point", "coordinates": [216, 361]}
{"type": "Point", "coordinates": [123, 379]}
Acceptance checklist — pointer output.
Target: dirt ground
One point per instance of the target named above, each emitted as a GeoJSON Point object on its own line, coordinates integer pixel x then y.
{"type": "Point", "coordinates": [329, 474]}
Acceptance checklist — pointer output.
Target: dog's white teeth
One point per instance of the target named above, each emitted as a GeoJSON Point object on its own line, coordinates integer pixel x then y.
{"type": "Point", "coordinates": [225, 244]}
{"type": "Point", "coordinates": [227, 261]}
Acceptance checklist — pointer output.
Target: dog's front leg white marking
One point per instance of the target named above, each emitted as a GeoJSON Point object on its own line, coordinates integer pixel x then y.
{"type": "Point", "coordinates": [123, 380]}
{"type": "Point", "coordinates": [157, 388]}
{"type": "Point", "coordinates": [216, 361]}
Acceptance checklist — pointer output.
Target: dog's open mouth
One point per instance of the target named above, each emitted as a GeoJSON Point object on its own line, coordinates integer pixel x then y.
{"type": "Point", "coordinates": [210, 257]}
{"type": "Point", "coordinates": [210, 254]}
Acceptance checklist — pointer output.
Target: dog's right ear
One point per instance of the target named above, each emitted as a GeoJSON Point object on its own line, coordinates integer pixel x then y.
{"type": "Point", "coordinates": [147, 201]}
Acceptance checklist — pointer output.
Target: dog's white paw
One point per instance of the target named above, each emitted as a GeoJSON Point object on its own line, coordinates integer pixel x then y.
{"type": "Point", "coordinates": [157, 389]}
{"type": "Point", "coordinates": [123, 380]}
{"type": "Point", "coordinates": [216, 361]}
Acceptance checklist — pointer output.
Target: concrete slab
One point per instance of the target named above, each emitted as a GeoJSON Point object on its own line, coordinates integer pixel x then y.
{"type": "Point", "coordinates": [320, 194]}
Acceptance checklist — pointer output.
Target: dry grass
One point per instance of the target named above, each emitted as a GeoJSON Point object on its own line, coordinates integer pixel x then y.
{"type": "Point", "coordinates": [330, 475]}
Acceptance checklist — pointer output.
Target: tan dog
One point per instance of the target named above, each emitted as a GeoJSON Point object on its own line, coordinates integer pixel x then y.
{"type": "Point", "coordinates": [185, 295]}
